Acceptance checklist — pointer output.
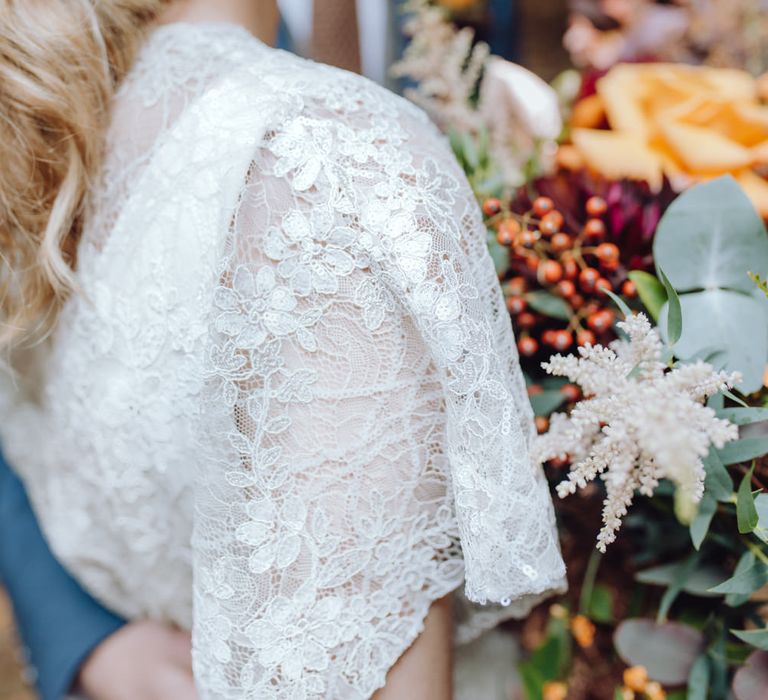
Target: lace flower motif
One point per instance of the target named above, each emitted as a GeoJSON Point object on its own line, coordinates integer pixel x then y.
{"type": "Point", "coordinates": [312, 251]}
{"type": "Point", "coordinates": [640, 423]}
{"type": "Point", "coordinates": [296, 636]}
{"type": "Point", "coordinates": [271, 308]}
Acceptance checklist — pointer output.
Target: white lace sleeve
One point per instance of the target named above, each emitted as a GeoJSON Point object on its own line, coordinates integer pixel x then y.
{"type": "Point", "coordinates": [367, 424]}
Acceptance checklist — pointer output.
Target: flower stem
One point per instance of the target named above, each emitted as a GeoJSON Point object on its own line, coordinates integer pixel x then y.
{"type": "Point", "coordinates": [588, 584]}
{"type": "Point", "coordinates": [757, 551]}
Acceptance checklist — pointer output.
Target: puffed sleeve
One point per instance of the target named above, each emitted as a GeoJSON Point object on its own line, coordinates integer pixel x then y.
{"type": "Point", "coordinates": [365, 421]}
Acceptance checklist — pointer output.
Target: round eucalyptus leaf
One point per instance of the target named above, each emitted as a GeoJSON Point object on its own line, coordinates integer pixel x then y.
{"type": "Point", "coordinates": [732, 317]}
{"type": "Point", "coordinates": [667, 650]}
{"type": "Point", "coordinates": [751, 680]}
{"type": "Point", "coordinates": [711, 237]}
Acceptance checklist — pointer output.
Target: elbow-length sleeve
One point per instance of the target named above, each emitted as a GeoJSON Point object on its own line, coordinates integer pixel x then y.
{"type": "Point", "coordinates": [365, 421]}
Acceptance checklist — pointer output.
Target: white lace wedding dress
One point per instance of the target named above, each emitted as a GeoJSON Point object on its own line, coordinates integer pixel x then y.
{"type": "Point", "coordinates": [284, 409]}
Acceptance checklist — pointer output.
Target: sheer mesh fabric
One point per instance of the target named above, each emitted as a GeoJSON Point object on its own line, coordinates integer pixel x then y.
{"type": "Point", "coordinates": [286, 410]}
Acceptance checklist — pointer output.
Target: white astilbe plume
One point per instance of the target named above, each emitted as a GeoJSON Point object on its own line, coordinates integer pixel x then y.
{"type": "Point", "coordinates": [445, 65]}
{"type": "Point", "coordinates": [466, 90]}
{"type": "Point", "coordinates": [640, 422]}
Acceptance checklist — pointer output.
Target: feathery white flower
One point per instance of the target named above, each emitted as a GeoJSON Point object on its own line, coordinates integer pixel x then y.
{"type": "Point", "coordinates": [640, 421]}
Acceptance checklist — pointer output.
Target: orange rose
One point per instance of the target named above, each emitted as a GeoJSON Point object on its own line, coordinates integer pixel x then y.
{"type": "Point", "coordinates": [688, 123]}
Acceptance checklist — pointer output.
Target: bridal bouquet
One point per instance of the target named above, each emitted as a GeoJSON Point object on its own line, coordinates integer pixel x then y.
{"type": "Point", "coordinates": [634, 279]}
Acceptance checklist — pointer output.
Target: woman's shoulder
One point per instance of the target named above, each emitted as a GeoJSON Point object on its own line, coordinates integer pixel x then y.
{"type": "Point", "coordinates": [327, 94]}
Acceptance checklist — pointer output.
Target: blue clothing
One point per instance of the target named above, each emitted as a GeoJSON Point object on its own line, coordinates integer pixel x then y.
{"type": "Point", "coordinates": [503, 29]}
{"type": "Point", "coordinates": [59, 623]}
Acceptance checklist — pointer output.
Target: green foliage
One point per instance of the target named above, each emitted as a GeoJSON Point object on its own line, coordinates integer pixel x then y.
{"type": "Point", "coordinates": [761, 506]}
{"type": "Point", "coordinates": [472, 152]}
{"type": "Point", "coordinates": [718, 482]}
{"type": "Point", "coordinates": [625, 310]}
{"type": "Point", "coordinates": [601, 602]}
{"type": "Point", "coordinates": [700, 566]}
{"type": "Point", "coordinates": [667, 650]}
{"type": "Point", "coordinates": [744, 416]}
{"type": "Point", "coordinates": [743, 450]}
{"type": "Point", "coordinates": [746, 513]}
{"type": "Point", "coordinates": [755, 638]}
{"type": "Point", "coordinates": [548, 304]}
{"type": "Point", "coordinates": [674, 324]}
{"type": "Point", "coordinates": [706, 242]}
{"type": "Point", "coordinates": [745, 582]}
{"type": "Point", "coordinates": [698, 679]}
{"type": "Point", "coordinates": [499, 254]}
{"type": "Point", "coordinates": [549, 661]}
{"type": "Point", "coordinates": [696, 580]}
{"type": "Point", "coordinates": [699, 527]}
{"type": "Point", "coordinates": [651, 292]}
{"type": "Point", "coordinates": [761, 283]}
{"type": "Point", "coordinates": [547, 401]}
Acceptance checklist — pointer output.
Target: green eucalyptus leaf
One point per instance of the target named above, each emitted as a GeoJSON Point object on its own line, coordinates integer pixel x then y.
{"type": "Point", "coordinates": [743, 450]}
{"type": "Point", "coordinates": [681, 575]}
{"type": "Point", "coordinates": [734, 398]}
{"type": "Point", "coordinates": [698, 679]}
{"type": "Point", "coordinates": [667, 650]}
{"type": "Point", "coordinates": [482, 144]}
{"type": "Point", "coordinates": [548, 304]}
{"type": "Point", "coordinates": [713, 355]}
{"type": "Point", "coordinates": [755, 638]}
{"type": "Point", "coordinates": [746, 513]}
{"type": "Point", "coordinates": [743, 416]}
{"type": "Point", "coordinates": [651, 292]}
{"type": "Point", "coordinates": [761, 506]}
{"type": "Point", "coordinates": [745, 582]}
{"type": "Point", "coordinates": [718, 481]}
{"type": "Point", "coordinates": [700, 525]}
{"type": "Point", "coordinates": [499, 254]}
{"type": "Point", "coordinates": [546, 658]}
{"type": "Point", "coordinates": [620, 303]}
{"type": "Point", "coordinates": [706, 242]}
{"type": "Point", "coordinates": [532, 681]}
{"type": "Point", "coordinates": [454, 138]}
{"type": "Point", "coordinates": [674, 323]}
{"type": "Point", "coordinates": [601, 604]}
{"type": "Point", "coordinates": [745, 563]}
{"type": "Point", "coordinates": [716, 401]}
{"type": "Point", "coordinates": [697, 582]}
{"type": "Point", "coordinates": [723, 314]}
{"type": "Point", "coordinates": [547, 401]}
{"type": "Point", "coordinates": [710, 237]}
{"type": "Point", "coordinates": [490, 185]}
{"type": "Point", "coordinates": [469, 150]}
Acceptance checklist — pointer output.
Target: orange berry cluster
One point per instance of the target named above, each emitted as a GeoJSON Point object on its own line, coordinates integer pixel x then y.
{"type": "Point", "coordinates": [638, 685]}
{"type": "Point", "coordinates": [578, 267]}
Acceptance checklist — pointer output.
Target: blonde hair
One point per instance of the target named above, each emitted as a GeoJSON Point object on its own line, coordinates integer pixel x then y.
{"type": "Point", "coordinates": [60, 62]}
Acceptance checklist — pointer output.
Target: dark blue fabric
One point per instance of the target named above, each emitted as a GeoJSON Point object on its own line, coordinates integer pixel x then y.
{"type": "Point", "coordinates": [502, 29]}
{"type": "Point", "coordinates": [59, 623]}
